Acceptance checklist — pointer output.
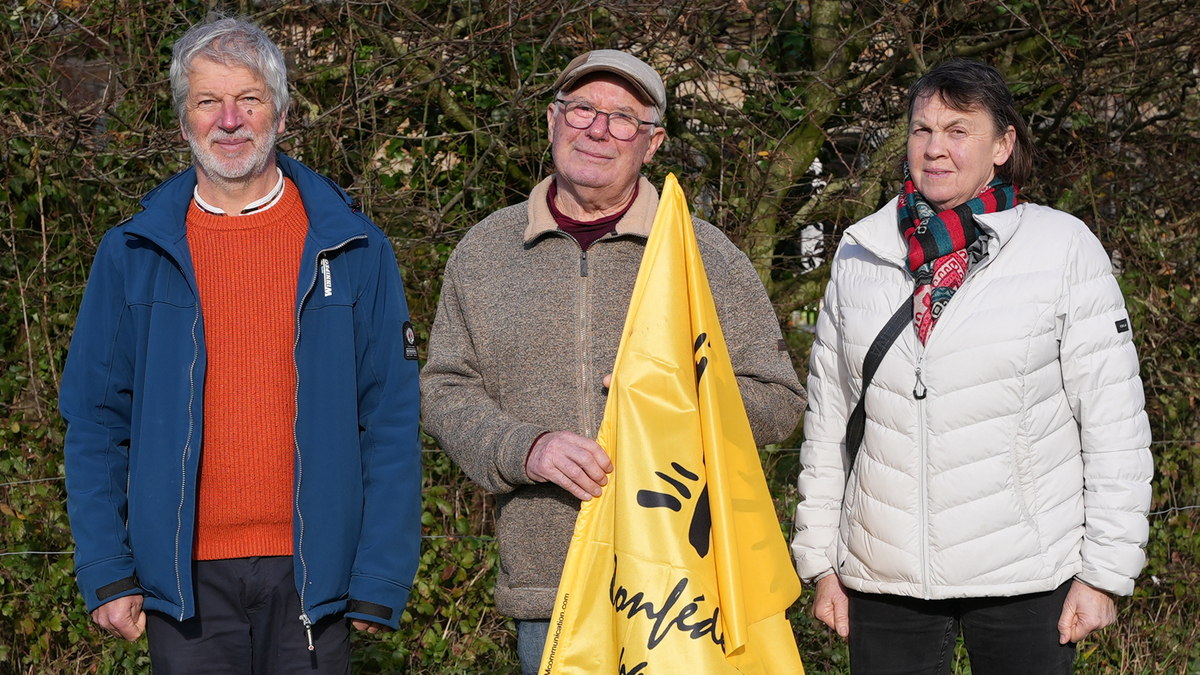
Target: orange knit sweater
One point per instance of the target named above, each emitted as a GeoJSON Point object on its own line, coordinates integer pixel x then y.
{"type": "Point", "coordinates": [246, 269]}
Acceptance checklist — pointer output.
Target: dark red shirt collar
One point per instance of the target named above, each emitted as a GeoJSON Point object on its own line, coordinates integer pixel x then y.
{"type": "Point", "coordinates": [586, 232]}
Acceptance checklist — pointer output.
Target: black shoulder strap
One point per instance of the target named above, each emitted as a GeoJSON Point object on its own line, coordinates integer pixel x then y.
{"type": "Point", "coordinates": [856, 425]}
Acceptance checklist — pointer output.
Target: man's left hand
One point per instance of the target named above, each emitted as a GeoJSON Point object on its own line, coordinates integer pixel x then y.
{"type": "Point", "coordinates": [369, 626]}
{"type": "Point", "coordinates": [1086, 609]}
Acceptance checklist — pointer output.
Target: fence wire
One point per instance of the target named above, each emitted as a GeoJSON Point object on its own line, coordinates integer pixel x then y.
{"type": "Point", "coordinates": [483, 538]}
{"type": "Point", "coordinates": [435, 451]}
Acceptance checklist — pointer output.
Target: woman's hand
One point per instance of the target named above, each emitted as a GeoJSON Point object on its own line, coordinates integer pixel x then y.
{"type": "Point", "coordinates": [831, 604]}
{"type": "Point", "coordinates": [1086, 609]}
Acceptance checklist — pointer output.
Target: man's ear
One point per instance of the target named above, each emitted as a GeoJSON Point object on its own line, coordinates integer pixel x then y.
{"type": "Point", "coordinates": [656, 139]}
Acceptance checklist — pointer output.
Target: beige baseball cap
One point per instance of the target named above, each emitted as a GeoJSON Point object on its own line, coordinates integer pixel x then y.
{"type": "Point", "coordinates": [643, 78]}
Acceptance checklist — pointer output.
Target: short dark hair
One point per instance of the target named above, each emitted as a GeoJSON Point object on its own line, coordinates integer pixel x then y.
{"type": "Point", "coordinates": [967, 85]}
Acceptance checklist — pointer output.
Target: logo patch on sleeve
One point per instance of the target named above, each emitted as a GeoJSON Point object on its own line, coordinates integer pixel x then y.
{"type": "Point", "coordinates": [410, 342]}
{"type": "Point", "coordinates": [1122, 325]}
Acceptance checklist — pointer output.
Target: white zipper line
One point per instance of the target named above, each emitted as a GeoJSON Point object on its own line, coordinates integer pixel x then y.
{"type": "Point", "coordinates": [296, 440]}
{"type": "Point", "coordinates": [186, 451]}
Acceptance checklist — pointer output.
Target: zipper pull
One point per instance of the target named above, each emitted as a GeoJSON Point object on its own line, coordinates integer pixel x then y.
{"type": "Point", "coordinates": [308, 631]}
{"type": "Point", "coordinates": [583, 263]}
{"type": "Point", "coordinates": [919, 390]}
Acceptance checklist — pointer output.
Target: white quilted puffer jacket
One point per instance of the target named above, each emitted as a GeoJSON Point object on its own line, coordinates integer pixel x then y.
{"type": "Point", "coordinates": [1027, 461]}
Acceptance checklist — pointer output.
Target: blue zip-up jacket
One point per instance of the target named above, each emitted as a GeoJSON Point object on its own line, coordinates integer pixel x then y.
{"type": "Point", "coordinates": [133, 397]}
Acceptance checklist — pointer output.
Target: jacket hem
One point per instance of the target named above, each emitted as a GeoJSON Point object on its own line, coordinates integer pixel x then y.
{"type": "Point", "coordinates": [171, 609]}
{"type": "Point", "coordinates": [527, 604]}
{"type": "Point", "coordinates": [941, 592]}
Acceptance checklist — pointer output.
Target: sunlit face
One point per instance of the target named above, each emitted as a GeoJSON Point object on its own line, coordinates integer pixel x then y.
{"type": "Point", "coordinates": [229, 121]}
{"type": "Point", "coordinates": [592, 158]}
{"type": "Point", "coordinates": [952, 154]}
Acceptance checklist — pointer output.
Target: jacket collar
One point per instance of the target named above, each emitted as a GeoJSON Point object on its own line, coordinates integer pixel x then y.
{"type": "Point", "coordinates": [636, 222]}
{"type": "Point", "coordinates": [880, 234]}
{"type": "Point", "coordinates": [163, 219]}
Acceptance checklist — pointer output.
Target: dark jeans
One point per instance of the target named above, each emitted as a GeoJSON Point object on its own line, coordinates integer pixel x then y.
{"type": "Point", "coordinates": [531, 641]}
{"type": "Point", "coordinates": [246, 623]}
{"type": "Point", "coordinates": [895, 635]}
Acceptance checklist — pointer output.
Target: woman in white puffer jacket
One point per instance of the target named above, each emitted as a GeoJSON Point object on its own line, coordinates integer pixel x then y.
{"type": "Point", "coordinates": [1003, 478]}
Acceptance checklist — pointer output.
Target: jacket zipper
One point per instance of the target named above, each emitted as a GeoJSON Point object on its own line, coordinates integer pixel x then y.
{"type": "Point", "coordinates": [583, 275]}
{"type": "Point", "coordinates": [307, 629]}
{"type": "Point", "coordinates": [296, 444]}
{"type": "Point", "coordinates": [187, 451]}
{"type": "Point", "coordinates": [921, 458]}
{"type": "Point", "coordinates": [187, 444]}
{"type": "Point", "coordinates": [920, 391]}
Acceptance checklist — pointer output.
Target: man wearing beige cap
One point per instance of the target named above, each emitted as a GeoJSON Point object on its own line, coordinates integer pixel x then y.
{"type": "Point", "coordinates": [533, 302]}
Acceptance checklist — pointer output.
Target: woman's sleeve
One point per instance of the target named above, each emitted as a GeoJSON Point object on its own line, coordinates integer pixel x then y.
{"type": "Point", "coordinates": [1104, 389]}
{"type": "Point", "coordinates": [822, 455]}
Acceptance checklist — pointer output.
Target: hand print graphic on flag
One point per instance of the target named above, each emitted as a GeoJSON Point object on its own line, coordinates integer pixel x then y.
{"type": "Point", "coordinates": [700, 529]}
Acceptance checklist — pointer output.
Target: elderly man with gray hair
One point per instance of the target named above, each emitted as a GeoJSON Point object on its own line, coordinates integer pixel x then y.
{"type": "Point", "coordinates": [243, 463]}
{"type": "Point", "coordinates": [532, 306]}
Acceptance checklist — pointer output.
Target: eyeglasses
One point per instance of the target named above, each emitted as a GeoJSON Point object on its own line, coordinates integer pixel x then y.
{"type": "Point", "coordinates": [622, 126]}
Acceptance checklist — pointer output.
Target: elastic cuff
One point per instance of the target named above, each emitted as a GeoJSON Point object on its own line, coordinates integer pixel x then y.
{"type": "Point", "coordinates": [1095, 588]}
{"type": "Point", "coordinates": [381, 613]}
{"type": "Point", "coordinates": [106, 581]}
{"type": "Point", "coordinates": [110, 591]}
{"type": "Point", "coordinates": [515, 451]}
{"type": "Point", "coordinates": [387, 603]}
{"type": "Point", "coordinates": [1102, 580]}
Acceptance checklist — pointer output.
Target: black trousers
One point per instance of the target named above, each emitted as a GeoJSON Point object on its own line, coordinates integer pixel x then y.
{"type": "Point", "coordinates": [895, 635]}
{"type": "Point", "coordinates": [246, 623]}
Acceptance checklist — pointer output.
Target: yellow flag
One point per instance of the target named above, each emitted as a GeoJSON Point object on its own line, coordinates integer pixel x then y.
{"type": "Point", "coordinates": [680, 567]}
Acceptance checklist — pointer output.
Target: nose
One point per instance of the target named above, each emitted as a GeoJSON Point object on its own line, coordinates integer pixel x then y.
{"type": "Point", "coordinates": [599, 126]}
{"type": "Point", "coordinates": [231, 115]}
{"type": "Point", "coordinates": [935, 146]}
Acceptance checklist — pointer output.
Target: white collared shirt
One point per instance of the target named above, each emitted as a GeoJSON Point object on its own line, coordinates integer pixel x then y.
{"type": "Point", "coordinates": [255, 206]}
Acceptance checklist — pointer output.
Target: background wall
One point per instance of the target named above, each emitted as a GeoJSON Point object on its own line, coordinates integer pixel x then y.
{"type": "Point", "coordinates": [786, 125]}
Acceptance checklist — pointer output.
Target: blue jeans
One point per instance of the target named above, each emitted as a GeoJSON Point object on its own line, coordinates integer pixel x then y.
{"type": "Point", "coordinates": [531, 640]}
{"type": "Point", "coordinates": [896, 635]}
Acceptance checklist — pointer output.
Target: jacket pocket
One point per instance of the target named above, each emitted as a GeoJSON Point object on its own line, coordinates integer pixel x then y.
{"type": "Point", "coordinates": [850, 499]}
{"type": "Point", "coordinates": [1022, 478]}
{"type": "Point", "coordinates": [161, 283]}
{"type": "Point", "coordinates": [333, 285]}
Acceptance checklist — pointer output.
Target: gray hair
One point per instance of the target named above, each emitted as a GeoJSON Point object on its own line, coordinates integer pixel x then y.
{"type": "Point", "coordinates": [232, 42]}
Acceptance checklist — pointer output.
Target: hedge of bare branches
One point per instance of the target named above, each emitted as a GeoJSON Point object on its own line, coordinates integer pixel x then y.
{"type": "Point", "coordinates": [785, 123]}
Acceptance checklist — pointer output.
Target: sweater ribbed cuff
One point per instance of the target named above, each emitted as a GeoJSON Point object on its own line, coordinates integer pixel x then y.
{"type": "Point", "coordinates": [516, 450]}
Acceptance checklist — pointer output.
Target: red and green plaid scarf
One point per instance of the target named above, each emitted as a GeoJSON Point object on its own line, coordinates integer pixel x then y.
{"type": "Point", "coordinates": [940, 245]}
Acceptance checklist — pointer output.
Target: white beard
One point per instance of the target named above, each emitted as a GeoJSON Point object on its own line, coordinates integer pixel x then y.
{"type": "Point", "coordinates": [231, 171]}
